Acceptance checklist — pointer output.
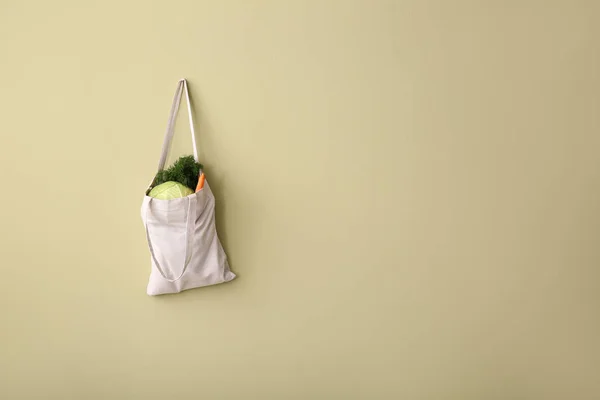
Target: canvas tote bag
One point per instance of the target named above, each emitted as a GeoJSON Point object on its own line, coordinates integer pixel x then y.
{"type": "Point", "coordinates": [184, 248]}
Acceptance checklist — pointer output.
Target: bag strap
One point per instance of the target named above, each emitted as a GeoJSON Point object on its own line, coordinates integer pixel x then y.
{"type": "Point", "coordinates": [190, 218]}
{"type": "Point", "coordinates": [181, 88]}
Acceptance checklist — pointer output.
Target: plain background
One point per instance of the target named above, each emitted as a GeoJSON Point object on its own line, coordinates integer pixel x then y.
{"type": "Point", "coordinates": [408, 190]}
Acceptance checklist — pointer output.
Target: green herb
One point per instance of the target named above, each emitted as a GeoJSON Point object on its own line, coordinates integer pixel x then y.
{"type": "Point", "coordinates": [185, 171]}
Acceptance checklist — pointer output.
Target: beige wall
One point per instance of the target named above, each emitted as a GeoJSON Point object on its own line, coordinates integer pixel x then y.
{"type": "Point", "coordinates": [408, 190]}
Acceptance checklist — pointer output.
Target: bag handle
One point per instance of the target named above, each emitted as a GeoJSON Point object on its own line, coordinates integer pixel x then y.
{"type": "Point", "coordinates": [181, 88]}
{"type": "Point", "coordinates": [188, 227]}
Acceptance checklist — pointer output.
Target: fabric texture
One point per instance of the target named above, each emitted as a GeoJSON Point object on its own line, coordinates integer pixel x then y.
{"type": "Point", "coordinates": [182, 238]}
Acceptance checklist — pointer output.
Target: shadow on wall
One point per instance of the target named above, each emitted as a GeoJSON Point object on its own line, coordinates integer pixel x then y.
{"type": "Point", "coordinates": [248, 212]}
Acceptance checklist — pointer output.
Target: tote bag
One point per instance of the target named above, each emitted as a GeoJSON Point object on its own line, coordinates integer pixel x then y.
{"type": "Point", "coordinates": [184, 247]}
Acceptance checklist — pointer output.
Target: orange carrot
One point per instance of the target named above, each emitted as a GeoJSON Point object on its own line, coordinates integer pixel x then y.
{"type": "Point", "coordinates": [200, 183]}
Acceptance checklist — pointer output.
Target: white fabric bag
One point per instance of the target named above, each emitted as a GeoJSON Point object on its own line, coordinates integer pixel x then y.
{"type": "Point", "coordinates": [185, 250]}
